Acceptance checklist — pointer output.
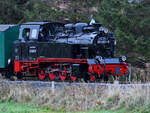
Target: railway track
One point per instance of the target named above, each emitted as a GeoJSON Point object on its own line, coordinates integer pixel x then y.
{"type": "Point", "coordinates": [41, 84]}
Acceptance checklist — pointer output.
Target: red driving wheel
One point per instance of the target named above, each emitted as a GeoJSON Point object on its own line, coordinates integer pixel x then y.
{"type": "Point", "coordinates": [52, 76]}
{"type": "Point", "coordinates": [92, 78]}
{"type": "Point", "coordinates": [73, 78]}
{"type": "Point", "coordinates": [62, 76]}
{"type": "Point", "coordinates": [41, 74]}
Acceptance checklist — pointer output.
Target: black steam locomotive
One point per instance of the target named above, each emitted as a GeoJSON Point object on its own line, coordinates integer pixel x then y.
{"type": "Point", "coordinates": [71, 51]}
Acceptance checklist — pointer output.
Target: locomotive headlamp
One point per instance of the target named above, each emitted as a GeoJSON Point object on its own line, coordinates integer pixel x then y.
{"type": "Point", "coordinates": [123, 58]}
{"type": "Point", "coordinates": [105, 30]}
{"type": "Point", "coordinates": [9, 60]}
{"type": "Point", "coordinates": [115, 42]}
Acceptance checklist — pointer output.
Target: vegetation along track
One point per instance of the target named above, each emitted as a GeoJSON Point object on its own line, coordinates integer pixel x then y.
{"type": "Point", "coordinates": [59, 85]}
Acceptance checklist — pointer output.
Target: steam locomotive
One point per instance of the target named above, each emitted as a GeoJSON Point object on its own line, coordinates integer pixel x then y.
{"type": "Point", "coordinates": [66, 52]}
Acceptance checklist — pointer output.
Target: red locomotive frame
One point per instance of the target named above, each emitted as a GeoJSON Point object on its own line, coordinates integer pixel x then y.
{"type": "Point", "coordinates": [41, 64]}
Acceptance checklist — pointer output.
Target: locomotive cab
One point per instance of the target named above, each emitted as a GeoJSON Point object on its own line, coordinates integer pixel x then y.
{"type": "Point", "coordinates": [38, 31]}
{"type": "Point", "coordinates": [29, 33]}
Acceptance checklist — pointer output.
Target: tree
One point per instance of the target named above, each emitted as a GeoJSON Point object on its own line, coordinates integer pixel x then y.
{"type": "Point", "coordinates": [131, 24]}
{"type": "Point", "coordinates": [9, 12]}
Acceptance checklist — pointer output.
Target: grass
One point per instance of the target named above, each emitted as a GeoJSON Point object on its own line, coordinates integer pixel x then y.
{"type": "Point", "coordinates": [25, 98]}
{"type": "Point", "coordinates": [8, 107]}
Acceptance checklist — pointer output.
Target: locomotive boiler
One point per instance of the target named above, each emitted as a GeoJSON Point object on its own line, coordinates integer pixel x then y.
{"type": "Point", "coordinates": [66, 52]}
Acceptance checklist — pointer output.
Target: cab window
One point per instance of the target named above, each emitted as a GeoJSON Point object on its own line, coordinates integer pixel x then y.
{"type": "Point", "coordinates": [26, 34]}
{"type": "Point", "coordinates": [34, 34]}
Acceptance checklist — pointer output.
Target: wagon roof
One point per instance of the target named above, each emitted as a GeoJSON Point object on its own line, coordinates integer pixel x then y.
{"type": "Point", "coordinates": [5, 27]}
{"type": "Point", "coordinates": [39, 23]}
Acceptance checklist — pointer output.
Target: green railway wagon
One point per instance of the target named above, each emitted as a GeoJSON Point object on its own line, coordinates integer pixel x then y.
{"type": "Point", "coordinates": [8, 34]}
